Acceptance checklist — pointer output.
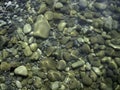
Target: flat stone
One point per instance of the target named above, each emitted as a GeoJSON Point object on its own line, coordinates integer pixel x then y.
{"type": "Point", "coordinates": [41, 27]}
{"type": "Point", "coordinates": [21, 70]}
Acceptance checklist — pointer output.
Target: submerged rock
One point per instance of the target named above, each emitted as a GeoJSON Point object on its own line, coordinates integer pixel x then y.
{"type": "Point", "coordinates": [41, 27]}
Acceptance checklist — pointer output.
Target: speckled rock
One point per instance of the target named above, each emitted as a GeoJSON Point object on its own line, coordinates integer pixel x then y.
{"type": "Point", "coordinates": [21, 70]}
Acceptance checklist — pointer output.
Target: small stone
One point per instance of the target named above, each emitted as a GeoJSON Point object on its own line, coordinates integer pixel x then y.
{"type": "Point", "coordinates": [78, 64]}
{"type": "Point", "coordinates": [83, 3]}
{"type": "Point", "coordinates": [58, 5]}
{"type": "Point", "coordinates": [100, 6]}
{"type": "Point", "coordinates": [21, 70]}
{"type": "Point", "coordinates": [37, 82]}
{"type": "Point", "coordinates": [87, 80]}
{"type": "Point", "coordinates": [55, 85]}
{"type": "Point", "coordinates": [4, 66]}
{"type": "Point", "coordinates": [41, 27]}
{"type": "Point", "coordinates": [97, 70]}
{"type": "Point", "coordinates": [35, 56]}
{"type": "Point", "coordinates": [54, 75]}
{"type": "Point", "coordinates": [27, 51]}
{"type": "Point", "coordinates": [27, 28]}
{"type": "Point", "coordinates": [23, 44]}
{"type": "Point", "coordinates": [86, 48]}
{"type": "Point", "coordinates": [42, 8]}
{"type": "Point", "coordinates": [61, 65]}
{"type": "Point", "coordinates": [58, 15]}
{"type": "Point", "coordinates": [18, 84]}
{"type": "Point", "coordinates": [33, 46]}
{"type": "Point", "coordinates": [49, 15]}
{"type": "Point", "coordinates": [61, 25]}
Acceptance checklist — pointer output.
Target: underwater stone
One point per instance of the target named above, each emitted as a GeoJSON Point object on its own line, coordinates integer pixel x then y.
{"type": "Point", "coordinates": [58, 5]}
{"type": "Point", "coordinates": [87, 80]}
{"type": "Point", "coordinates": [61, 25]}
{"type": "Point", "coordinates": [41, 27]}
{"type": "Point", "coordinates": [61, 65]}
{"type": "Point", "coordinates": [78, 64]}
{"type": "Point", "coordinates": [33, 46]}
{"type": "Point", "coordinates": [21, 70]}
{"type": "Point", "coordinates": [27, 51]}
{"type": "Point", "coordinates": [5, 66]}
{"type": "Point", "coordinates": [49, 15]}
{"type": "Point", "coordinates": [27, 28]}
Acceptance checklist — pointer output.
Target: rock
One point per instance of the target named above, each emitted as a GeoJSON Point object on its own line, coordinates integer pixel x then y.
{"type": "Point", "coordinates": [4, 66]}
{"type": "Point", "coordinates": [86, 80]}
{"type": "Point", "coordinates": [55, 85]}
{"type": "Point", "coordinates": [33, 46]}
{"type": "Point", "coordinates": [83, 3]}
{"type": "Point", "coordinates": [41, 27]}
{"type": "Point", "coordinates": [61, 25]}
{"type": "Point", "coordinates": [100, 6]}
{"type": "Point", "coordinates": [54, 75]}
{"type": "Point", "coordinates": [49, 15]}
{"type": "Point", "coordinates": [57, 16]}
{"type": "Point", "coordinates": [27, 51]}
{"type": "Point", "coordinates": [61, 65]}
{"type": "Point", "coordinates": [27, 28]}
{"type": "Point", "coordinates": [78, 64]}
{"type": "Point", "coordinates": [58, 5]}
{"type": "Point", "coordinates": [43, 8]}
{"type": "Point", "coordinates": [86, 48]}
{"type": "Point", "coordinates": [97, 70]}
{"type": "Point", "coordinates": [108, 22]}
{"type": "Point", "coordinates": [21, 70]}
{"type": "Point", "coordinates": [3, 41]}
{"type": "Point", "coordinates": [35, 56]}
{"type": "Point", "coordinates": [37, 82]}
{"type": "Point", "coordinates": [18, 84]}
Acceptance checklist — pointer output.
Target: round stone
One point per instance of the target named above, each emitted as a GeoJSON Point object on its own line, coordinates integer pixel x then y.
{"type": "Point", "coordinates": [21, 70]}
{"type": "Point", "coordinates": [27, 28]}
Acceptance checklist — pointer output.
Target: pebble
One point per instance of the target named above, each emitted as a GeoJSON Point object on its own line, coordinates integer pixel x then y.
{"type": "Point", "coordinates": [58, 5]}
{"type": "Point", "coordinates": [18, 84]}
{"type": "Point", "coordinates": [83, 3]}
{"type": "Point", "coordinates": [49, 15]}
{"type": "Point", "coordinates": [21, 70]}
{"type": "Point", "coordinates": [61, 25]}
{"type": "Point", "coordinates": [27, 28]}
{"type": "Point", "coordinates": [4, 66]}
{"type": "Point", "coordinates": [87, 80]}
{"type": "Point", "coordinates": [97, 70]}
{"type": "Point", "coordinates": [55, 85]}
{"type": "Point", "coordinates": [33, 46]}
{"type": "Point", "coordinates": [27, 51]}
{"type": "Point", "coordinates": [78, 64]}
{"type": "Point", "coordinates": [100, 6]}
{"type": "Point", "coordinates": [61, 65]}
{"type": "Point", "coordinates": [41, 27]}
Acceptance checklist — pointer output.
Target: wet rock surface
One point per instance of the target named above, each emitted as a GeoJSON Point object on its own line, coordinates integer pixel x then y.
{"type": "Point", "coordinates": [59, 45]}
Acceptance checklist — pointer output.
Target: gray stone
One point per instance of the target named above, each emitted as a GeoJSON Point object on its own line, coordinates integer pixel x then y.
{"type": "Point", "coordinates": [21, 70]}
{"type": "Point", "coordinates": [41, 27]}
